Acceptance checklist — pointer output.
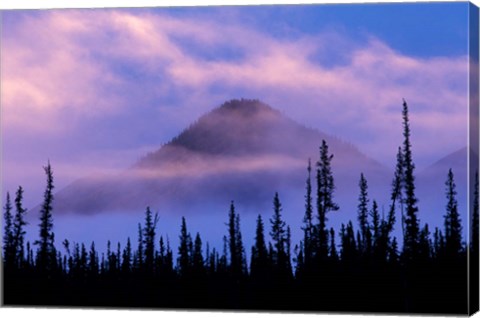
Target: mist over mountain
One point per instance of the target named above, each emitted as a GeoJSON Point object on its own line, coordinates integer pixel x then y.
{"type": "Point", "coordinates": [244, 151]}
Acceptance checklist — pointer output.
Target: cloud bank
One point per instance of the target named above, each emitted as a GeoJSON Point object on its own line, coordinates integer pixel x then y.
{"type": "Point", "coordinates": [82, 81]}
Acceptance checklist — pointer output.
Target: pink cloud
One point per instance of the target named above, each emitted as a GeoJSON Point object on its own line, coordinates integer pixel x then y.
{"type": "Point", "coordinates": [62, 63]}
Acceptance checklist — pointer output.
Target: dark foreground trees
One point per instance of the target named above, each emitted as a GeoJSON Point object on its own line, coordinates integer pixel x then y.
{"type": "Point", "coordinates": [344, 270]}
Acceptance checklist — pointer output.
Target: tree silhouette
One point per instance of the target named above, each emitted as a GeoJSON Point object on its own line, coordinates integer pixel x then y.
{"type": "Point", "coordinates": [453, 226]}
{"type": "Point", "coordinates": [349, 245]}
{"type": "Point", "coordinates": [259, 264]}
{"type": "Point", "coordinates": [46, 253]}
{"type": "Point", "coordinates": [308, 228]}
{"type": "Point", "coordinates": [235, 243]}
{"type": "Point", "coordinates": [279, 237]}
{"type": "Point", "coordinates": [376, 231]}
{"type": "Point", "coordinates": [365, 243]}
{"type": "Point", "coordinates": [19, 224]}
{"type": "Point", "coordinates": [333, 248]}
{"type": "Point", "coordinates": [93, 266]}
{"type": "Point", "coordinates": [149, 240]}
{"type": "Point", "coordinates": [412, 228]}
{"type": "Point", "coordinates": [197, 258]}
{"type": "Point", "coordinates": [184, 250]}
{"type": "Point", "coordinates": [8, 254]}
{"type": "Point", "coordinates": [325, 203]}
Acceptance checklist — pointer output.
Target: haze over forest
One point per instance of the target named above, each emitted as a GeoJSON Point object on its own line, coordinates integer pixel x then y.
{"type": "Point", "coordinates": [94, 91]}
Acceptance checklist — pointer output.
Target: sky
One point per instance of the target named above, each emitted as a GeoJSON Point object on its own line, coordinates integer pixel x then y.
{"type": "Point", "coordinates": [93, 90]}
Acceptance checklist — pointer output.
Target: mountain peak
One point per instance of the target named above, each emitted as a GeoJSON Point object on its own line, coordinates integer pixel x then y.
{"type": "Point", "coordinates": [239, 150]}
{"type": "Point", "coordinates": [244, 107]}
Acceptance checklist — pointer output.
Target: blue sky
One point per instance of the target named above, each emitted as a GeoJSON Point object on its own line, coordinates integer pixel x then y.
{"type": "Point", "coordinates": [94, 90]}
{"type": "Point", "coordinates": [417, 29]}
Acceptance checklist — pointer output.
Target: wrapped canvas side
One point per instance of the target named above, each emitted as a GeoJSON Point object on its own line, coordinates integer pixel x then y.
{"type": "Point", "coordinates": [473, 158]}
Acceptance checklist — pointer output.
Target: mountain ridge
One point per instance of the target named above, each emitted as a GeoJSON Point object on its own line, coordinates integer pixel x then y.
{"type": "Point", "coordinates": [243, 150]}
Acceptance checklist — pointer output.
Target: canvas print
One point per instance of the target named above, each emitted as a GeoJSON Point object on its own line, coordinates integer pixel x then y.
{"type": "Point", "coordinates": [298, 158]}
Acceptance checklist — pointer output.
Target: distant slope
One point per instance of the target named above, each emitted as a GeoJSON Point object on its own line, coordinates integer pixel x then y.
{"type": "Point", "coordinates": [431, 188]}
{"type": "Point", "coordinates": [243, 150]}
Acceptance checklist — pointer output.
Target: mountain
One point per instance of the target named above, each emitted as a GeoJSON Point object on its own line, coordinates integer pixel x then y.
{"type": "Point", "coordinates": [431, 189]}
{"type": "Point", "coordinates": [243, 150]}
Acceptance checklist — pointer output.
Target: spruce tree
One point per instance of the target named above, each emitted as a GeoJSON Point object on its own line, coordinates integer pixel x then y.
{"type": "Point", "coordinates": [438, 244]}
{"type": "Point", "coordinates": [278, 233]}
{"type": "Point", "coordinates": [308, 232]}
{"type": "Point", "coordinates": [184, 255]}
{"type": "Point", "coordinates": [197, 257]}
{"type": "Point", "coordinates": [333, 247]}
{"type": "Point", "coordinates": [412, 228]}
{"type": "Point", "coordinates": [363, 215]}
{"type": "Point", "coordinates": [8, 233]}
{"type": "Point", "coordinates": [259, 257]}
{"type": "Point", "coordinates": [127, 258]}
{"type": "Point", "coordinates": [397, 187]}
{"type": "Point", "coordinates": [46, 254]}
{"type": "Point", "coordinates": [376, 230]}
{"type": "Point", "coordinates": [325, 203]}
{"type": "Point", "coordinates": [139, 260]}
{"type": "Point", "coordinates": [424, 244]}
{"type": "Point", "coordinates": [19, 229]}
{"type": "Point", "coordinates": [149, 239]}
{"type": "Point", "coordinates": [237, 263]}
{"type": "Point", "coordinates": [453, 226]}
{"type": "Point", "coordinates": [240, 248]}
{"type": "Point", "coordinates": [93, 261]}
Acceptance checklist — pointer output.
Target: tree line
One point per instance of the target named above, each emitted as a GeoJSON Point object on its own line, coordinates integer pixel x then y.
{"type": "Point", "coordinates": [365, 270]}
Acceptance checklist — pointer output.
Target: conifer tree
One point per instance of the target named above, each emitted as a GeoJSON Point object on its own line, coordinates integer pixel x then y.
{"type": "Point", "coordinates": [222, 262]}
{"type": "Point", "coordinates": [19, 229]}
{"type": "Point", "coordinates": [393, 252]}
{"type": "Point", "coordinates": [325, 203]}
{"type": "Point", "coordinates": [168, 260]}
{"type": "Point", "coordinates": [29, 261]}
{"type": "Point", "coordinates": [235, 243]}
{"type": "Point", "coordinates": [83, 260]}
{"type": "Point", "coordinates": [349, 246]}
{"type": "Point", "coordinates": [240, 248]}
{"type": "Point", "coordinates": [259, 258]}
{"type": "Point", "coordinates": [288, 247]}
{"type": "Point", "coordinates": [93, 261]}
{"type": "Point", "coordinates": [46, 254]}
{"type": "Point", "coordinates": [308, 232]}
{"type": "Point", "coordinates": [139, 260]}
{"type": "Point", "coordinates": [8, 232]}
{"type": "Point", "coordinates": [110, 258]}
{"type": "Point", "coordinates": [438, 243]}
{"type": "Point", "coordinates": [149, 239]}
{"type": "Point", "coordinates": [424, 244]}
{"type": "Point", "coordinates": [363, 215]}
{"type": "Point", "coordinates": [333, 247]}
{"type": "Point", "coordinates": [397, 186]}
{"type": "Point", "coordinates": [299, 260]}
{"type": "Point", "coordinates": [127, 258]}
{"type": "Point", "coordinates": [197, 257]}
{"type": "Point", "coordinates": [278, 234]}
{"type": "Point", "coordinates": [376, 230]}
{"type": "Point", "coordinates": [412, 228]}
{"type": "Point", "coordinates": [184, 255]}
{"type": "Point", "coordinates": [453, 226]}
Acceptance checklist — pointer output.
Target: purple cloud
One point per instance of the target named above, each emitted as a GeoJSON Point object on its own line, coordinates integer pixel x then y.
{"type": "Point", "coordinates": [63, 71]}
